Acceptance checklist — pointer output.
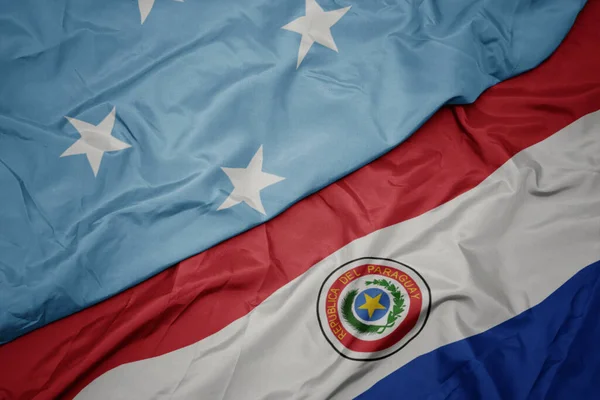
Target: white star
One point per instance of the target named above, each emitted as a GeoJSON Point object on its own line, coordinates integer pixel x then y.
{"type": "Point", "coordinates": [248, 182]}
{"type": "Point", "coordinates": [146, 7]}
{"type": "Point", "coordinates": [315, 26]}
{"type": "Point", "coordinates": [95, 140]}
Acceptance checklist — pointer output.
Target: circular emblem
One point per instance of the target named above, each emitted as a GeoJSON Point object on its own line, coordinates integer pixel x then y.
{"type": "Point", "coordinates": [370, 308]}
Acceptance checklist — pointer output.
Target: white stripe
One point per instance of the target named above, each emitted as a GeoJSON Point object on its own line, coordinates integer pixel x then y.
{"type": "Point", "coordinates": [487, 255]}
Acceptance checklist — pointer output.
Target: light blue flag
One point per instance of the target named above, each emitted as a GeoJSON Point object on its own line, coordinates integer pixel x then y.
{"type": "Point", "coordinates": [136, 133]}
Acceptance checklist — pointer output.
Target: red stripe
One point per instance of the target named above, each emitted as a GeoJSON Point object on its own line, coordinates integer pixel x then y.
{"type": "Point", "coordinates": [452, 153]}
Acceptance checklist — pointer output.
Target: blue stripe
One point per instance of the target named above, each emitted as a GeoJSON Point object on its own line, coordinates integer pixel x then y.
{"type": "Point", "coordinates": [550, 351]}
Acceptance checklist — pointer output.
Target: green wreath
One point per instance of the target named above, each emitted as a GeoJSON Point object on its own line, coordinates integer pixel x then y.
{"type": "Point", "coordinates": [394, 314]}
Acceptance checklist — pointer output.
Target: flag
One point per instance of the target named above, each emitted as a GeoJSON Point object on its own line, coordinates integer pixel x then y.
{"type": "Point", "coordinates": [137, 134]}
{"type": "Point", "coordinates": [489, 215]}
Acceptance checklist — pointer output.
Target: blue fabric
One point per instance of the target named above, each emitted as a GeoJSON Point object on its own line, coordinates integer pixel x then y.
{"type": "Point", "coordinates": [199, 86]}
{"type": "Point", "coordinates": [550, 351]}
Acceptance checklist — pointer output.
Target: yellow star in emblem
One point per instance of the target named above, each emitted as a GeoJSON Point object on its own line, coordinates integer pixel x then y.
{"type": "Point", "coordinates": [372, 304]}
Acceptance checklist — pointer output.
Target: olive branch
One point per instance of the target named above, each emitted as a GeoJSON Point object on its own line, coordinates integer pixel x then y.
{"type": "Point", "coordinates": [394, 314]}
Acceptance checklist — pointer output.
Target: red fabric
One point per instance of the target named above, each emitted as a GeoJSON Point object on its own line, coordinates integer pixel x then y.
{"type": "Point", "coordinates": [452, 153]}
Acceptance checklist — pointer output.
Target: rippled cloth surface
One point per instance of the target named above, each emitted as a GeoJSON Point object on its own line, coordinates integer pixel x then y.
{"type": "Point", "coordinates": [136, 178]}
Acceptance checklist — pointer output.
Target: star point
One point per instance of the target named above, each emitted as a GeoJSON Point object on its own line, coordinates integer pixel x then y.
{"type": "Point", "coordinates": [315, 26]}
{"type": "Point", "coordinates": [248, 183]}
{"type": "Point", "coordinates": [95, 140]}
{"type": "Point", "coordinates": [145, 7]}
